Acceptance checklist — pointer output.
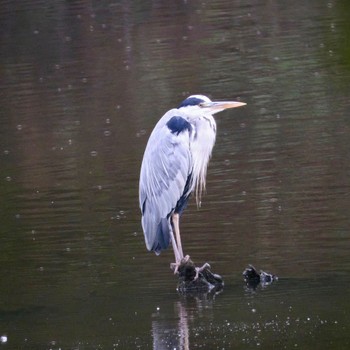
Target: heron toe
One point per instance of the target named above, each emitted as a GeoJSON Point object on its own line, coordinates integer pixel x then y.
{"type": "Point", "coordinates": [201, 269]}
{"type": "Point", "coordinates": [176, 265]}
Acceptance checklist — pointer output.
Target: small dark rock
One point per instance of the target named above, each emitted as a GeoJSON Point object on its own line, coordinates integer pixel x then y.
{"type": "Point", "coordinates": [253, 278]}
{"type": "Point", "coordinates": [206, 281]}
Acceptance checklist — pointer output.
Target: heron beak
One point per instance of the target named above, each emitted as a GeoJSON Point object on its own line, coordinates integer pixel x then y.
{"type": "Point", "coordinates": [216, 107]}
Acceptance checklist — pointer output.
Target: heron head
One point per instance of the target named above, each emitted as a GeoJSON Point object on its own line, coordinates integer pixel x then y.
{"type": "Point", "coordinates": [203, 104]}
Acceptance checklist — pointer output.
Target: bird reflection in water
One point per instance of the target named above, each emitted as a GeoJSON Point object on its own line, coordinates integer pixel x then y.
{"type": "Point", "coordinates": [170, 334]}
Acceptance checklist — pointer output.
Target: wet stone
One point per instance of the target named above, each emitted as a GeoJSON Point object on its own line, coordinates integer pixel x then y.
{"type": "Point", "coordinates": [192, 279]}
{"type": "Point", "coordinates": [253, 278]}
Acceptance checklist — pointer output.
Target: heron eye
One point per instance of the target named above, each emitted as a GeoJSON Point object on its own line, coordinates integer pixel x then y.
{"type": "Point", "coordinates": [201, 104]}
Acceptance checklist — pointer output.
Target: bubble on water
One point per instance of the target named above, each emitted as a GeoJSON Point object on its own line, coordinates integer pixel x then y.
{"type": "Point", "coordinates": [140, 133]}
{"type": "Point", "coordinates": [18, 216]}
{"type": "Point", "coordinates": [3, 339]}
{"type": "Point", "coordinates": [84, 80]}
{"type": "Point", "coordinates": [69, 142]}
{"type": "Point", "coordinates": [41, 268]}
{"type": "Point", "coordinates": [6, 151]}
{"type": "Point", "coordinates": [107, 133]}
{"type": "Point", "coordinates": [99, 187]}
{"type": "Point", "coordinates": [93, 153]}
{"type": "Point", "coordinates": [253, 311]}
{"type": "Point", "coordinates": [19, 127]}
{"type": "Point", "coordinates": [158, 308]}
{"type": "Point", "coordinates": [67, 38]}
{"type": "Point", "coordinates": [108, 121]}
{"type": "Point", "coordinates": [8, 178]}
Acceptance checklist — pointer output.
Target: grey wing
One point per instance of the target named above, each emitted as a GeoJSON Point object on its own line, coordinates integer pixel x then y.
{"type": "Point", "coordinates": [166, 166]}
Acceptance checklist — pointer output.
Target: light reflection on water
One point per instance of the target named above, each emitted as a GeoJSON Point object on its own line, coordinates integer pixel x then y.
{"type": "Point", "coordinates": [81, 91]}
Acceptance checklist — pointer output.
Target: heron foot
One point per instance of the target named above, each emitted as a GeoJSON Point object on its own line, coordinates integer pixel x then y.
{"type": "Point", "coordinates": [194, 279]}
{"type": "Point", "coordinates": [175, 266]}
{"type": "Point", "coordinates": [201, 269]}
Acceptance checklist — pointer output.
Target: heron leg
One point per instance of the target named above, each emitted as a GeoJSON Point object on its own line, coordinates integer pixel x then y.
{"type": "Point", "coordinates": [175, 249]}
{"type": "Point", "coordinates": [176, 219]}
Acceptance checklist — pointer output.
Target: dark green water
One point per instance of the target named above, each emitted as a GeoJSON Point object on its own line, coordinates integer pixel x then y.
{"type": "Point", "coordinates": [82, 85]}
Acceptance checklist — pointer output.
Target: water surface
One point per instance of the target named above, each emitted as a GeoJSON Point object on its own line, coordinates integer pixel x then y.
{"type": "Point", "coordinates": [83, 84]}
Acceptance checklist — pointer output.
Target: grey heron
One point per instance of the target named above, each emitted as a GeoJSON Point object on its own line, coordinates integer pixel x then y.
{"type": "Point", "coordinates": [174, 165]}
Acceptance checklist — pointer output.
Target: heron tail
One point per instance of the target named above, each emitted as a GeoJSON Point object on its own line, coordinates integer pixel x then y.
{"type": "Point", "coordinates": [161, 239]}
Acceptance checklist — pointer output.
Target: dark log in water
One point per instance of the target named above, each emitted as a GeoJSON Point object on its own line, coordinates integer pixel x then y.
{"type": "Point", "coordinates": [194, 279]}
{"type": "Point", "coordinates": [253, 278]}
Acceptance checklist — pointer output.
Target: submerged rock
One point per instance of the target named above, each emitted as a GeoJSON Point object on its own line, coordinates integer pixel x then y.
{"type": "Point", "coordinates": [253, 278]}
{"type": "Point", "coordinates": [194, 279]}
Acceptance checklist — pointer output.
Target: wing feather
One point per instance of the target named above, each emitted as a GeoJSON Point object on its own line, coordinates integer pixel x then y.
{"type": "Point", "coordinates": [165, 169]}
